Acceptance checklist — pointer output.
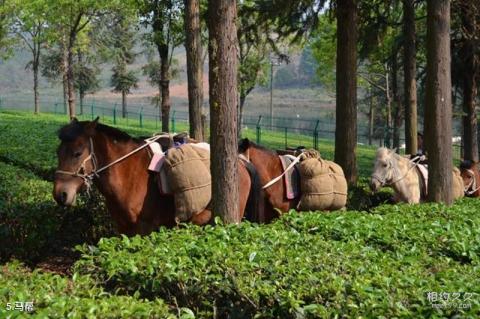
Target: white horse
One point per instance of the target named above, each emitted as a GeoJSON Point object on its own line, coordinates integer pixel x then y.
{"type": "Point", "coordinates": [405, 176]}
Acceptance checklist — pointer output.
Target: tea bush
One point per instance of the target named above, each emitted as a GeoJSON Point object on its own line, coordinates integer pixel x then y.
{"type": "Point", "coordinates": [32, 224]}
{"type": "Point", "coordinates": [54, 296]}
{"type": "Point", "coordinates": [349, 264]}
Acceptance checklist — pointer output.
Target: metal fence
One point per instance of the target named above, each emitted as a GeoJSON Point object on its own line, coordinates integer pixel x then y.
{"type": "Point", "coordinates": [281, 132]}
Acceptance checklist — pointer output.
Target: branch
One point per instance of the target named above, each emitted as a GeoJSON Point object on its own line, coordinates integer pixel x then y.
{"type": "Point", "coordinates": [373, 83]}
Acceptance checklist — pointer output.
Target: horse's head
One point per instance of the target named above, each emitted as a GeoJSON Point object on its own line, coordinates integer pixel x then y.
{"type": "Point", "coordinates": [468, 171]}
{"type": "Point", "coordinates": [383, 170]}
{"type": "Point", "coordinates": [75, 160]}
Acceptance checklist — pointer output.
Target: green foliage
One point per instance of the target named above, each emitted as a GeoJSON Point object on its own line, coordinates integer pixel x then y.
{"type": "Point", "coordinates": [348, 264]}
{"type": "Point", "coordinates": [324, 49]}
{"type": "Point", "coordinates": [54, 296]}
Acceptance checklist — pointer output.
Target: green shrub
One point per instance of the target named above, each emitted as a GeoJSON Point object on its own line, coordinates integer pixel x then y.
{"type": "Point", "coordinates": [54, 296]}
{"type": "Point", "coordinates": [32, 224]}
{"type": "Point", "coordinates": [316, 265]}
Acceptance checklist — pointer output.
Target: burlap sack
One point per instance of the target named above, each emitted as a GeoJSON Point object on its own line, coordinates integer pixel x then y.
{"type": "Point", "coordinates": [323, 185]}
{"type": "Point", "coordinates": [188, 173]}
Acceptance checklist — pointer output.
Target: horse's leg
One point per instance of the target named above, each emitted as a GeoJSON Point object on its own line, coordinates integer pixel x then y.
{"type": "Point", "coordinates": [202, 217]}
{"type": "Point", "coordinates": [244, 189]}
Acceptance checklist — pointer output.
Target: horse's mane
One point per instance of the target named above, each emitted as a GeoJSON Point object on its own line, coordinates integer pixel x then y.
{"type": "Point", "coordinates": [467, 164]}
{"type": "Point", "coordinates": [245, 143]}
{"type": "Point", "coordinates": [73, 130]}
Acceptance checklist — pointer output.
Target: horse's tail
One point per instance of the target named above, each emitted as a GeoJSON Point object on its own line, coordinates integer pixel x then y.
{"type": "Point", "coordinates": [254, 211]}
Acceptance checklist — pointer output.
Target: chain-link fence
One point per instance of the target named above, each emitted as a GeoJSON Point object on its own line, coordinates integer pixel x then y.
{"type": "Point", "coordinates": [280, 132]}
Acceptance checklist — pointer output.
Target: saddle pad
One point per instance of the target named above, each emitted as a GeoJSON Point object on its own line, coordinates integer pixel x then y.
{"type": "Point", "coordinates": [158, 157]}
{"type": "Point", "coordinates": [291, 178]}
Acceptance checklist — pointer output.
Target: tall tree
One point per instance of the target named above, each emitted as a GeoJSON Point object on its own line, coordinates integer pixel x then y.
{"type": "Point", "coordinates": [30, 25]}
{"type": "Point", "coordinates": [193, 46]}
{"type": "Point", "coordinates": [165, 19]}
{"type": "Point", "coordinates": [470, 66]}
{"type": "Point", "coordinates": [346, 87]}
{"type": "Point", "coordinates": [222, 50]}
{"type": "Point", "coordinates": [86, 74]}
{"type": "Point", "coordinates": [6, 9]}
{"type": "Point", "coordinates": [409, 71]}
{"type": "Point", "coordinates": [70, 18]}
{"type": "Point", "coordinates": [438, 104]}
{"type": "Point", "coordinates": [123, 80]}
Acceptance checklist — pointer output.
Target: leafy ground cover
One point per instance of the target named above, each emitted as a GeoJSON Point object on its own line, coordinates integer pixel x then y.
{"type": "Point", "coordinates": [383, 261]}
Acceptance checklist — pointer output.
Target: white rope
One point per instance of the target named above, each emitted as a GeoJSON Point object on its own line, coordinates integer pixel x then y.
{"type": "Point", "coordinates": [292, 164]}
{"type": "Point", "coordinates": [415, 161]}
{"type": "Point", "coordinates": [87, 178]}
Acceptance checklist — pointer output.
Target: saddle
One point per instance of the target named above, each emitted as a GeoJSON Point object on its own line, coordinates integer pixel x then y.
{"type": "Point", "coordinates": [422, 171]}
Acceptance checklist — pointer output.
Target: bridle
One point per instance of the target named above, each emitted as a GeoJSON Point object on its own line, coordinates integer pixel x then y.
{"type": "Point", "coordinates": [414, 162]}
{"type": "Point", "coordinates": [88, 177]}
{"type": "Point", "coordinates": [472, 186]}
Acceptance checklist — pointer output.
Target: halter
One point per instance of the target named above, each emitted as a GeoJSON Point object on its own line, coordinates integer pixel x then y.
{"type": "Point", "coordinates": [88, 177]}
{"type": "Point", "coordinates": [472, 185]}
{"type": "Point", "coordinates": [415, 161]}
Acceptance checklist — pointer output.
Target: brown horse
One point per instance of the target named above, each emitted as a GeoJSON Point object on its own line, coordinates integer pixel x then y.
{"type": "Point", "coordinates": [268, 166]}
{"type": "Point", "coordinates": [130, 190]}
{"type": "Point", "coordinates": [470, 173]}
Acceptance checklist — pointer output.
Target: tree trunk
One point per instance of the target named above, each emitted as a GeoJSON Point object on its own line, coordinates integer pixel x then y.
{"type": "Point", "coordinates": [438, 104]}
{"type": "Point", "coordinates": [193, 46]}
{"type": "Point", "coordinates": [36, 62]}
{"type": "Point", "coordinates": [409, 71]}
{"type": "Point", "coordinates": [371, 118]}
{"type": "Point", "coordinates": [346, 95]}
{"type": "Point", "coordinates": [388, 133]}
{"type": "Point", "coordinates": [470, 138]}
{"type": "Point", "coordinates": [243, 98]}
{"type": "Point", "coordinates": [70, 80]}
{"type": "Point", "coordinates": [164, 86]}
{"type": "Point", "coordinates": [64, 75]}
{"type": "Point", "coordinates": [398, 114]}
{"type": "Point", "coordinates": [124, 104]}
{"type": "Point", "coordinates": [81, 94]}
{"type": "Point", "coordinates": [222, 49]}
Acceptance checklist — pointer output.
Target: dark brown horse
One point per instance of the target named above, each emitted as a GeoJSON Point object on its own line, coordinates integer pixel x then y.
{"type": "Point", "coordinates": [130, 190]}
{"type": "Point", "coordinates": [268, 166]}
{"type": "Point", "coordinates": [470, 173]}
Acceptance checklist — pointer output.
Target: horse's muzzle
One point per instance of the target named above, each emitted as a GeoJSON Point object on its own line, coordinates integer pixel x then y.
{"type": "Point", "coordinates": [64, 194]}
{"type": "Point", "coordinates": [374, 185]}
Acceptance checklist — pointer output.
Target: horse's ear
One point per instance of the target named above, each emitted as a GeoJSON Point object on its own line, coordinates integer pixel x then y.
{"type": "Point", "coordinates": [243, 145]}
{"type": "Point", "coordinates": [91, 126]}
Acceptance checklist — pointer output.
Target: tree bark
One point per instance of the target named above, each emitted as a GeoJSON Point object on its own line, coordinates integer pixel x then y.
{"type": "Point", "coordinates": [124, 104]}
{"type": "Point", "coordinates": [346, 95]}
{"type": "Point", "coordinates": [409, 71]}
{"type": "Point", "coordinates": [438, 104]}
{"type": "Point", "coordinates": [64, 74]}
{"type": "Point", "coordinates": [388, 96]}
{"type": "Point", "coordinates": [371, 118]}
{"type": "Point", "coordinates": [36, 63]}
{"type": "Point", "coordinates": [70, 79]}
{"type": "Point", "coordinates": [164, 86]}
{"type": "Point", "coordinates": [470, 138]}
{"type": "Point", "coordinates": [222, 48]}
{"type": "Point", "coordinates": [193, 46]}
{"type": "Point", "coordinates": [398, 113]}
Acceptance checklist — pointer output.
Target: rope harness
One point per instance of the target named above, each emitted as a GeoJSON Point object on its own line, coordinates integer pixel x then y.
{"type": "Point", "coordinates": [414, 163]}
{"type": "Point", "coordinates": [472, 186]}
{"type": "Point", "coordinates": [88, 177]}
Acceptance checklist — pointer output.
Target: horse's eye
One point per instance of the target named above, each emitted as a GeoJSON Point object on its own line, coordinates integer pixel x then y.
{"type": "Point", "coordinates": [385, 164]}
{"type": "Point", "coordinates": [77, 154]}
